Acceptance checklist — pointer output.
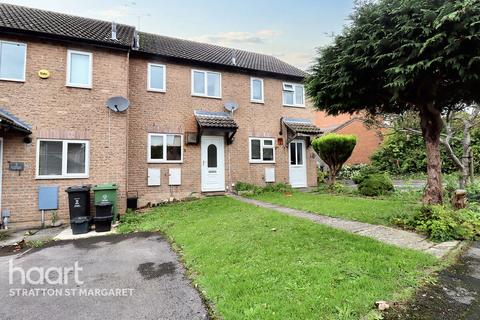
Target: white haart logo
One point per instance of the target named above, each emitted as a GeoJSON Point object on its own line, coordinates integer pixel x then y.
{"type": "Point", "coordinates": [42, 276]}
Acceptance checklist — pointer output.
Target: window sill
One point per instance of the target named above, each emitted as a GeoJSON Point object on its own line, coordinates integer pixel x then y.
{"type": "Point", "coordinates": [12, 80]}
{"type": "Point", "coordinates": [78, 86]}
{"type": "Point", "coordinates": [165, 161]}
{"type": "Point", "coordinates": [294, 106]}
{"type": "Point", "coordinates": [262, 162]}
{"type": "Point", "coordinates": [157, 90]}
{"type": "Point", "coordinates": [257, 101]}
{"type": "Point", "coordinates": [61, 177]}
{"type": "Point", "coordinates": [202, 96]}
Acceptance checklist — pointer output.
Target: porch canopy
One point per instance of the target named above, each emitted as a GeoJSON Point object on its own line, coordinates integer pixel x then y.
{"type": "Point", "coordinates": [299, 128]}
{"type": "Point", "coordinates": [219, 123]}
{"type": "Point", "coordinates": [9, 122]}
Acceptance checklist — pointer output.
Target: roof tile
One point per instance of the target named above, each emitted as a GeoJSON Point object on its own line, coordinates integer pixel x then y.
{"type": "Point", "coordinates": [208, 119]}
{"type": "Point", "coordinates": [59, 24]}
{"type": "Point", "coordinates": [209, 53]}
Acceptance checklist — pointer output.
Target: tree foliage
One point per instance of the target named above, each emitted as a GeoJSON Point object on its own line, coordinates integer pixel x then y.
{"type": "Point", "coordinates": [403, 152]}
{"type": "Point", "coordinates": [334, 149]}
{"type": "Point", "coordinates": [400, 55]}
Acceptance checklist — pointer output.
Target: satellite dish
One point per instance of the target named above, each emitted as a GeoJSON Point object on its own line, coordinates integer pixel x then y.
{"type": "Point", "coordinates": [231, 106]}
{"type": "Point", "coordinates": [118, 104]}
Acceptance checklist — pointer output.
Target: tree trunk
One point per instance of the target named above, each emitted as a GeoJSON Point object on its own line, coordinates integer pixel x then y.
{"type": "Point", "coordinates": [466, 144]}
{"type": "Point", "coordinates": [431, 122]}
{"type": "Point", "coordinates": [332, 176]}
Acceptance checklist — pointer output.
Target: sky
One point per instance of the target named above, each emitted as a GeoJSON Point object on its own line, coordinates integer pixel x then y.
{"type": "Point", "coordinates": [290, 30]}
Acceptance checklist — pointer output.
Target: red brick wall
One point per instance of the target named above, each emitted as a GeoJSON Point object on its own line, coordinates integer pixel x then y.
{"type": "Point", "coordinates": [172, 112]}
{"type": "Point", "coordinates": [57, 111]}
{"type": "Point", "coordinates": [368, 139]}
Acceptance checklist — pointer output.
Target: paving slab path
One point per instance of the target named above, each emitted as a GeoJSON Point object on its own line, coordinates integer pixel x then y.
{"type": "Point", "coordinates": [397, 237]}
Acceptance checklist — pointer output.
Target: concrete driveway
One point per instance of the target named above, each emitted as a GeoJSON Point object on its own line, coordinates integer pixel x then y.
{"type": "Point", "coordinates": [134, 276]}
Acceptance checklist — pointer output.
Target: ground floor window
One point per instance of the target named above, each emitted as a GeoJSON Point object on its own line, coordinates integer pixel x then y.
{"type": "Point", "coordinates": [262, 150]}
{"type": "Point", "coordinates": [62, 159]}
{"type": "Point", "coordinates": [165, 147]}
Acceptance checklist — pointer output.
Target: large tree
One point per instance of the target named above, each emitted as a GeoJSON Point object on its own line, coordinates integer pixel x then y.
{"type": "Point", "coordinates": [404, 55]}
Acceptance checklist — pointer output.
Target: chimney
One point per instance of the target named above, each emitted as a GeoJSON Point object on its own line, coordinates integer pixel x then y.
{"type": "Point", "coordinates": [136, 40]}
{"type": "Point", "coordinates": [234, 58]}
{"type": "Point", "coordinates": [114, 31]}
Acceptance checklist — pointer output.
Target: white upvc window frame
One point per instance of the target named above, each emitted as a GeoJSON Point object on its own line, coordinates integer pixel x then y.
{"type": "Point", "coordinates": [64, 174]}
{"type": "Point", "coordinates": [149, 86]}
{"type": "Point", "coordinates": [294, 85]}
{"type": "Point", "coordinates": [164, 160]}
{"type": "Point", "coordinates": [262, 145]}
{"type": "Point", "coordinates": [252, 99]}
{"type": "Point", "coordinates": [205, 93]}
{"type": "Point", "coordinates": [24, 61]}
{"type": "Point", "coordinates": [79, 85]}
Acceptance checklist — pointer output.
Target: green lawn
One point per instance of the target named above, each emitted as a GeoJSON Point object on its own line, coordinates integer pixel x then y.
{"type": "Point", "coordinates": [254, 263]}
{"type": "Point", "coordinates": [375, 211]}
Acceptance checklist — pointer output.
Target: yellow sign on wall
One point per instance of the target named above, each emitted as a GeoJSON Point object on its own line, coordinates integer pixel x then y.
{"type": "Point", "coordinates": [44, 74]}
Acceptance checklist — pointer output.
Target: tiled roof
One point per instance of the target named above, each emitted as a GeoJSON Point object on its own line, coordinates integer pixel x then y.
{"type": "Point", "coordinates": [209, 119]}
{"type": "Point", "coordinates": [209, 53]}
{"type": "Point", "coordinates": [64, 25]}
{"type": "Point", "coordinates": [8, 119]}
{"type": "Point", "coordinates": [15, 18]}
{"type": "Point", "coordinates": [303, 126]}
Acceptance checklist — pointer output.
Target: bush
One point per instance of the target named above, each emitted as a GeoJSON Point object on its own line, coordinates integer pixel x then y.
{"type": "Point", "coordinates": [277, 187]}
{"type": "Point", "coordinates": [441, 223]}
{"type": "Point", "coordinates": [363, 173]}
{"type": "Point", "coordinates": [473, 190]}
{"type": "Point", "coordinates": [321, 175]}
{"type": "Point", "coordinates": [375, 185]}
{"type": "Point", "coordinates": [403, 153]}
{"type": "Point", "coordinates": [244, 187]}
{"type": "Point", "coordinates": [349, 171]}
{"type": "Point", "coordinates": [334, 149]}
{"type": "Point", "coordinates": [247, 187]}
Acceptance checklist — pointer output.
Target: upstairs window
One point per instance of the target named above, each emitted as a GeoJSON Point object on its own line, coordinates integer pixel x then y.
{"type": "Point", "coordinates": [256, 88]}
{"type": "Point", "coordinates": [62, 159]}
{"type": "Point", "coordinates": [262, 150]}
{"type": "Point", "coordinates": [206, 84]}
{"type": "Point", "coordinates": [165, 148]}
{"type": "Point", "coordinates": [156, 77]}
{"type": "Point", "coordinates": [293, 95]}
{"type": "Point", "coordinates": [79, 69]}
{"type": "Point", "coordinates": [12, 61]}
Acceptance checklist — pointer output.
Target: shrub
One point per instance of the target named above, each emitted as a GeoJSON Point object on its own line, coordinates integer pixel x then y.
{"type": "Point", "coordinates": [473, 190]}
{"type": "Point", "coordinates": [349, 171]}
{"type": "Point", "coordinates": [403, 153]}
{"type": "Point", "coordinates": [441, 223]}
{"type": "Point", "coordinates": [364, 172]}
{"type": "Point", "coordinates": [244, 187]}
{"type": "Point", "coordinates": [375, 185]}
{"type": "Point", "coordinates": [321, 175]}
{"type": "Point", "coordinates": [334, 149]}
{"type": "Point", "coordinates": [277, 187]}
{"type": "Point", "coordinates": [334, 188]}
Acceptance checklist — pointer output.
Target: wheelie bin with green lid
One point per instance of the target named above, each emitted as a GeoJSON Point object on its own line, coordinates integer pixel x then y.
{"type": "Point", "coordinates": [106, 193]}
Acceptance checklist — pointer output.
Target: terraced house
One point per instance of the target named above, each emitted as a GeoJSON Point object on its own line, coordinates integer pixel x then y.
{"type": "Point", "coordinates": [200, 117]}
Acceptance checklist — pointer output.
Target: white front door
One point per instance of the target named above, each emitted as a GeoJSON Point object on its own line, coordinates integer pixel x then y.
{"type": "Point", "coordinates": [297, 164]}
{"type": "Point", "coordinates": [213, 163]}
